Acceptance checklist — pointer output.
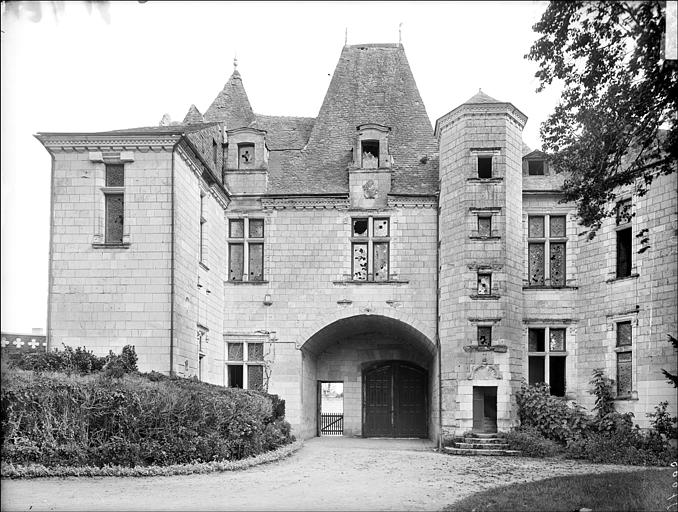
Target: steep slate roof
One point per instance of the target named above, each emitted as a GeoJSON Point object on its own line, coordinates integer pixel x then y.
{"type": "Point", "coordinates": [231, 106]}
{"type": "Point", "coordinates": [481, 97]}
{"type": "Point", "coordinates": [193, 116]}
{"type": "Point", "coordinates": [284, 132]}
{"type": "Point", "coordinates": [372, 83]}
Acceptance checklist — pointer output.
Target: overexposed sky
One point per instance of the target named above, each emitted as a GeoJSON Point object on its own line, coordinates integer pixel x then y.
{"type": "Point", "coordinates": [87, 70]}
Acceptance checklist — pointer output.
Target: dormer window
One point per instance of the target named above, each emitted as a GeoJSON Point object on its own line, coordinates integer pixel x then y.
{"type": "Point", "coordinates": [370, 154]}
{"type": "Point", "coordinates": [245, 156]}
{"type": "Point", "coordinates": [535, 167]}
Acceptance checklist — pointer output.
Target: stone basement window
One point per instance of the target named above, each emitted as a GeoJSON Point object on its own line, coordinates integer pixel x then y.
{"type": "Point", "coordinates": [370, 239]}
{"type": "Point", "coordinates": [114, 200]}
{"type": "Point", "coordinates": [246, 250]}
{"type": "Point", "coordinates": [535, 167]}
{"type": "Point", "coordinates": [484, 167]}
{"type": "Point", "coordinates": [624, 238]}
{"type": "Point", "coordinates": [546, 363]}
{"type": "Point", "coordinates": [624, 350]}
{"type": "Point", "coordinates": [245, 365]}
{"type": "Point", "coordinates": [543, 246]}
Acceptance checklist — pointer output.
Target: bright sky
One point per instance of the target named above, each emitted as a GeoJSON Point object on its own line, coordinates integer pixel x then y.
{"type": "Point", "coordinates": [81, 72]}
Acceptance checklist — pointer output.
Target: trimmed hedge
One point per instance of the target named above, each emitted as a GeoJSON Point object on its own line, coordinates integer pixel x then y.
{"type": "Point", "coordinates": [134, 420]}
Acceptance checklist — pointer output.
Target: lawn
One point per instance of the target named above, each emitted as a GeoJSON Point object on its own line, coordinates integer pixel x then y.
{"type": "Point", "coordinates": [642, 490]}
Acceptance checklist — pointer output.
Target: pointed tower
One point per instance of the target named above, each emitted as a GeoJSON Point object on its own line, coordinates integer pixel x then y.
{"type": "Point", "coordinates": [231, 106]}
{"type": "Point", "coordinates": [193, 116]}
{"type": "Point", "coordinates": [480, 257]}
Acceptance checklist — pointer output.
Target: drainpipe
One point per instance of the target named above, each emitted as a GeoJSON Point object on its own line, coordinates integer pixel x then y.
{"type": "Point", "coordinates": [50, 275]}
{"type": "Point", "coordinates": [440, 364]}
{"type": "Point", "coordinates": [172, 255]}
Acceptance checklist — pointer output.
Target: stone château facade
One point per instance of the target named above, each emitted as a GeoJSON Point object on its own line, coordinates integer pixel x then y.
{"type": "Point", "coordinates": [430, 271]}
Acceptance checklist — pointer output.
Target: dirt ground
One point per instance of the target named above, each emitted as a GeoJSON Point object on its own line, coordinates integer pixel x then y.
{"type": "Point", "coordinates": [326, 474]}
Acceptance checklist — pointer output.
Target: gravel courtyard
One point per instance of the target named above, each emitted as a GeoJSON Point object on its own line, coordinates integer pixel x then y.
{"type": "Point", "coordinates": [326, 474]}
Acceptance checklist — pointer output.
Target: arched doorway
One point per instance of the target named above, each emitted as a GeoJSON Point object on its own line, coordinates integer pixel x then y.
{"type": "Point", "coordinates": [395, 401]}
{"type": "Point", "coordinates": [389, 373]}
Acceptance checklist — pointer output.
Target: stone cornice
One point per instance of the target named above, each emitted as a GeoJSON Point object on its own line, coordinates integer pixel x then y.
{"type": "Point", "coordinates": [480, 109]}
{"type": "Point", "coordinates": [93, 142]}
{"type": "Point", "coordinates": [305, 202]}
{"type": "Point", "coordinates": [395, 201]}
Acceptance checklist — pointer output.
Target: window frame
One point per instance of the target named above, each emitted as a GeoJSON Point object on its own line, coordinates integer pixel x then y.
{"type": "Point", "coordinates": [109, 192]}
{"type": "Point", "coordinates": [547, 354]}
{"type": "Point", "coordinates": [547, 240]}
{"type": "Point", "coordinates": [246, 241]}
{"type": "Point", "coordinates": [624, 227]}
{"type": "Point", "coordinates": [370, 240]}
{"type": "Point", "coordinates": [245, 363]}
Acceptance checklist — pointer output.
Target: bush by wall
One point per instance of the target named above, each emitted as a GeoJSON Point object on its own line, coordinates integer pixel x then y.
{"type": "Point", "coordinates": [79, 361]}
{"type": "Point", "coordinates": [96, 420]}
{"type": "Point", "coordinates": [531, 443]}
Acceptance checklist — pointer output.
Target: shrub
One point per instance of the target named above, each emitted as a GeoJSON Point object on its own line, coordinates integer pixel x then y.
{"type": "Point", "coordinates": [54, 419]}
{"type": "Point", "coordinates": [79, 361]}
{"type": "Point", "coordinates": [603, 391]}
{"type": "Point", "coordinates": [551, 416]}
{"type": "Point", "coordinates": [621, 448]}
{"type": "Point", "coordinates": [662, 422]}
{"type": "Point", "coordinates": [530, 442]}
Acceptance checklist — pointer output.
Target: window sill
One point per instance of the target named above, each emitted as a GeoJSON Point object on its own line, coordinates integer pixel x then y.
{"type": "Point", "coordinates": [628, 398]}
{"type": "Point", "coordinates": [544, 287]}
{"type": "Point", "coordinates": [625, 278]}
{"type": "Point", "coordinates": [245, 282]}
{"type": "Point", "coordinates": [485, 180]}
{"type": "Point", "coordinates": [203, 265]}
{"type": "Point", "coordinates": [484, 348]}
{"type": "Point", "coordinates": [123, 245]}
{"type": "Point", "coordinates": [390, 281]}
{"type": "Point", "coordinates": [484, 297]}
{"type": "Point", "coordinates": [478, 237]}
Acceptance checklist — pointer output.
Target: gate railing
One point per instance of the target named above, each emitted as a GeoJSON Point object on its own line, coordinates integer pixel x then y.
{"type": "Point", "coordinates": [331, 424]}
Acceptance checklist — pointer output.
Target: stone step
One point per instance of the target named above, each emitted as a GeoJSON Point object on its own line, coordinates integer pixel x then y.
{"type": "Point", "coordinates": [477, 440]}
{"type": "Point", "coordinates": [473, 451]}
{"type": "Point", "coordinates": [491, 435]}
{"type": "Point", "coordinates": [482, 446]}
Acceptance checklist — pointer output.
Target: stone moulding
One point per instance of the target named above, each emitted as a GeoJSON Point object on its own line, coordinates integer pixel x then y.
{"type": "Point", "coordinates": [303, 203]}
{"type": "Point", "coordinates": [484, 348]}
{"type": "Point", "coordinates": [484, 371]}
{"type": "Point", "coordinates": [412, 201]}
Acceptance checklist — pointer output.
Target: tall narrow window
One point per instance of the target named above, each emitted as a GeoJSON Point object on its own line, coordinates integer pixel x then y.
{"type": "Point", "coordinates": [370, 239]}
{"type": "Point", "coordinates": [547, 361]}
{"type": "Point", "coordinates": [246, 250]}
{"type": "Point", "coordinates": [484, 283]}
{"type": "Point", "coordinates": [245, 365]}
{"type": "Point", "coordinates": [370, 154]}
{"type": "Point", "coordinates": [624, 238]}
{"type": "Point", "coordinates": [484, 335]}
{"type": "Point", "coordinates": [484, 166]}
{"type": "Point", "coordinates": [203, 241]}
{"type": "Point", "coordinates": [485, 226]}
{"type": "Point", "coordinates": [114, 197]}
{"type": "Point", "coordinates": [624, 352]}
{"type": "Point", "coordinates": [215, 151]}
{"type": "Point", "coordinates": [547, 242]}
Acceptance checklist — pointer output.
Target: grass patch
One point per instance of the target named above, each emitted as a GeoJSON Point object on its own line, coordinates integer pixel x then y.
{"type": "Point", "coordinates": [645, 490]}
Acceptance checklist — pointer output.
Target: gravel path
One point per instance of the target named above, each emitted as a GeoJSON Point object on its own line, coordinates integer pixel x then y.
{"type": "Point", "coordinates": [326, 474]}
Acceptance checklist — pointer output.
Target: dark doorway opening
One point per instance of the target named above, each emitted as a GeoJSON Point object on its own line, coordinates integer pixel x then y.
{"type": "Point", "coordinates": [331, 405]}
{"type": "Point", "coordinates": [395, 400]}
{"type": "Point", "coordinates": [484, 408]}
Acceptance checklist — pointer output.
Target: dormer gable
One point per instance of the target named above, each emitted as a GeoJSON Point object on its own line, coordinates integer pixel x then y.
{"type": "Point", "coordinates": [371, 149]}
{"type": "Point", "coordinates": [536, 163]}
{"type": "Point", "coordinates": [246, 149]}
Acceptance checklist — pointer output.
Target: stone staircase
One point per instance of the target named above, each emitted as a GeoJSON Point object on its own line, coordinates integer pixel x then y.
{"type": "Point", "coordinates": [480, 444]}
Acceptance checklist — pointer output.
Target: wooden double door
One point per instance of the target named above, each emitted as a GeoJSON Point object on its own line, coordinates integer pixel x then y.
{"type": "Point", "coordinates": [395, 400]}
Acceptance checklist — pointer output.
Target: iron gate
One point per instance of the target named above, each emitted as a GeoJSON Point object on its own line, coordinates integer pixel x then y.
{"type": "Point", "coordinates": [331, 424]}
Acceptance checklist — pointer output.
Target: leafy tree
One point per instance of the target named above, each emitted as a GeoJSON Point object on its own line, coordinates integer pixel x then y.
{"type": "Point", "coordinates": [671, 378]}
{"type": "Point", "coordinates": [616, 121]}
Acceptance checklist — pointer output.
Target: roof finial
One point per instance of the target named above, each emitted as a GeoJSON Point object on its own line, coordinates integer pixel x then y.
{"type": "Point", "coordinates": [346, 37]}
{"type": "Point", "coordinates": [400, 33]}
{"type": "Point", "coordinates": [235, 63]}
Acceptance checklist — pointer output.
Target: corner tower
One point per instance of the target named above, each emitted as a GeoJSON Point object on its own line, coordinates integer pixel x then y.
{"type": "Point", "coordinates": [480, 264]}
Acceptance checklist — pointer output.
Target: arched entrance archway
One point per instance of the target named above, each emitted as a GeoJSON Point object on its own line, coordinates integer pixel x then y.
{"type": "Point", "coordinates": [388, 372]}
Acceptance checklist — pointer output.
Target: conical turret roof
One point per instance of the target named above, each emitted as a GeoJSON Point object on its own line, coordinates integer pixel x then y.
{"type": "Point", "coordinates": [231, 106]}
{"type": "Point", "coordinates": [481, 97]}
{"type": "Point", "coordinates": [193, 116]}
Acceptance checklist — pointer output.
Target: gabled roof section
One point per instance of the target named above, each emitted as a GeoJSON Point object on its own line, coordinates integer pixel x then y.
{"type": "Point", "coordinates": [372, 83]}
{"type": "Point", "coordinates": [193, 116]}
{"type": "Point", "coordinates": [231, 106]}
{"type": "Point", "coordinates": [284, 132]}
